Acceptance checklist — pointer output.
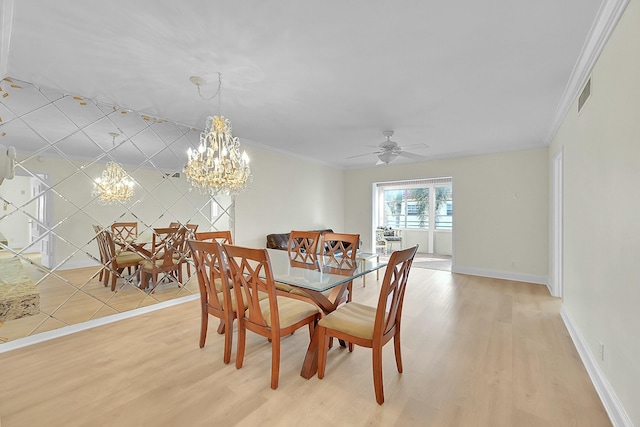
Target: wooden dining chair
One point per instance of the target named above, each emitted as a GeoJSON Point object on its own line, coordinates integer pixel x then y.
{"type": "Point", "coordinates": [183, 254]}
{"type": "Point", "coordinates": [371, 327]}
{"type": "Point", "coordinates": [165, 243]}
{"type": "Point", "coordinates": [119, 260]}
{"type": "Point", "coordinates": [273, 317]}
{"type": "Point", "coordinates": [222, 237]}
{"type": "Point", "coordinates": [340, 250]}
{"type": "Point", "coordinates": [216, 296]}
{"type": "Point", "coordinates": [303, 252]}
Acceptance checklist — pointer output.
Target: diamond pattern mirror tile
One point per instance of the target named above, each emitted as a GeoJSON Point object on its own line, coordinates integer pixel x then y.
{"type": "Point", "coordinates": [48, 210]}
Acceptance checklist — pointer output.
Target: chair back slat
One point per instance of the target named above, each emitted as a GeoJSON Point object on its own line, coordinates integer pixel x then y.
{"type": "Point", "coordinates": [340, 251]}
{"type": "Point", "coordinates": [390, 301]}
{"type": "Point", "coordinates": [104, 255]}
{"type": "Point", "coordinates": [246, 266]}
{"type": "Point", "coordinates": [211, 266]}
{"type": "Point", "coordinates": [303, 249]}
{"type": "Point", "coordinates": [222, 237]}
{"type": "Point", "coordinates": [125, 232]}
{"type": "Point", "coordinates": [166, 242]}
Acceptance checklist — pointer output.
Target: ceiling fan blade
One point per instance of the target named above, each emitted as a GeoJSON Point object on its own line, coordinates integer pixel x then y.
{"type": "Point", "coordinates": [419, 145]}
{"type": "Point", "coordinates": [361, 155]}
{"type": "Point", "coordinates": [380, 162]}
{"type": "Point", "coordinates": [412, 156]}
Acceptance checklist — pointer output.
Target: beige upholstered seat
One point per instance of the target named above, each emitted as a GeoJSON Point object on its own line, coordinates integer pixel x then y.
{"type": "Point", "coordinates": [353, 319]}
{"type": "Point", "coordinates": [371, 327]}
{"type": "Point", "coordinates": [290, 311]}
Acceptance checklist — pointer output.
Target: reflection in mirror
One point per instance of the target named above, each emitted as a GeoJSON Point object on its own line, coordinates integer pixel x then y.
{"type": "Point", "coordinates": [52, 271]}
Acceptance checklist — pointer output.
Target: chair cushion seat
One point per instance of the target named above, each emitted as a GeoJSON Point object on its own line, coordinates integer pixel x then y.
{"type": "Point", "coordinates": [218, 284]}
{"type": "Point", "coordinates": [291, 311]}
{"type": "Point", "coordinates": [127, 257]}
{"type": "Point", "coordinates": [353, 319]}
{"type": "Point", "coordinates": [234, 304]}
{"type": "Point", "coordinates": [148, 264]}
{"type": "Point", "coordinates": [284, 287]}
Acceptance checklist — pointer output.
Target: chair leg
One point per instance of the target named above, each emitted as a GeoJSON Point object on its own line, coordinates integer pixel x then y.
{"type": "Point", "coordinates": [323, 347]}
{"type": "Point", "coordinates": [377, 374]}
{"type": "Point", "coordinates": [154, 280]}
{"type": "Point", "coordinates": [228, 339]}
{"type": "Point", "coordinates": [349, 299]}
{"type": "Point", "coordinates": [143, 279]}
{"type": "Point", "coordinates": [204, 325]}
{"type": "Point", "coordinates": [275, 362]}
{"type": "Point", "coordinates": [114, 278]}
{"type": "Point", "coordinates": [242, 337]}
{"type": "Point", "coordinates": [106, 277]}
{"type": "Point", "coordinates": [221, 327]}
{"type": "Point", "coordinates": [312, 327]}
{"type": "Point", "coordinates": [396, 345]}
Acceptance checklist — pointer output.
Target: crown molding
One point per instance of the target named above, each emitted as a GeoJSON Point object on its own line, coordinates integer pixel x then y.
{"type": "Point", "coordinates": [603, 26]}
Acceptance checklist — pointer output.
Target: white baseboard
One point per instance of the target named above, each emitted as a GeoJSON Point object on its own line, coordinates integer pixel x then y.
{"type": "Point", "coordinates": [612, 405]}
{"type": "Point", "coordinates": [506, 275]}
{"type": "Point", "coordinates": [67, 330]}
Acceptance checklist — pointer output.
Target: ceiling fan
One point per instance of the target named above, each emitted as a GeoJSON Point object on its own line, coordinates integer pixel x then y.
{"type": "Point", "coordinates": [389, 150]}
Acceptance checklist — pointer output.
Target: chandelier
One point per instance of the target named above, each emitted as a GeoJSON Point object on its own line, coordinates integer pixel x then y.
{"type": "Point", "coordinates": [217, 167]}
{"type": "Point", "coordinates": [114, 185]}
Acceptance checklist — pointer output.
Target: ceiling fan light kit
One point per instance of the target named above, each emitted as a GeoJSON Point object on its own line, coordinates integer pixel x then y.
{"type": "Point", "coordinates": [387, 158]}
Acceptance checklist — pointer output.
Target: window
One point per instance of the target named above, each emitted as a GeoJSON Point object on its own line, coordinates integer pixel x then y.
{"type": "Point", "coordinates": [407, 204]}
{"type": "Point", "coordinates": [444, 208]}
{"type": "Point", "coordinates": [406, 208]}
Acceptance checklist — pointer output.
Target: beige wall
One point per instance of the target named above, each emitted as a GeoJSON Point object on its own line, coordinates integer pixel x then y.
{"type": "Point", "coordinates": [288, 193]}
{"type": "Point", "coordinates": [500, 209]}
{"type": "Point", "coordinates": [601, 209]}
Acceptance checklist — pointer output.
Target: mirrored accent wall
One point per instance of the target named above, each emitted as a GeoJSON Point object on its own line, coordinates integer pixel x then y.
{"type": "Point", "coordinates": [49, 210]}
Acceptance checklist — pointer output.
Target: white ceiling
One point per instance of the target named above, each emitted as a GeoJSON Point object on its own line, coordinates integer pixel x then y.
{"type": "Point", "coordinates": [318, 79]}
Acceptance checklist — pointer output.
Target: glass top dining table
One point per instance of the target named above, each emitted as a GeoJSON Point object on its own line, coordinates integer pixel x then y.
{"type": "Point", "coordinates": [327, 274]}
{"type": "Point", "coordinates": [315, 278]}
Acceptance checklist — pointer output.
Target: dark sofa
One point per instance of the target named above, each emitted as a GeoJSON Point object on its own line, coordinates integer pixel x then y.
{"type": "Point", "coordinates": [281, 240]}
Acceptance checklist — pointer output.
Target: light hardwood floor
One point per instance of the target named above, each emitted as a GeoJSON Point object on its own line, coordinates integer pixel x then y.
{"type": "Point", "coordinates": [476, 352]}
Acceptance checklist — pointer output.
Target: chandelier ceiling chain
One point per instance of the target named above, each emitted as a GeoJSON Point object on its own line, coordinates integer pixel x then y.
{"type": "Point", "coordinates": [217, 167]}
